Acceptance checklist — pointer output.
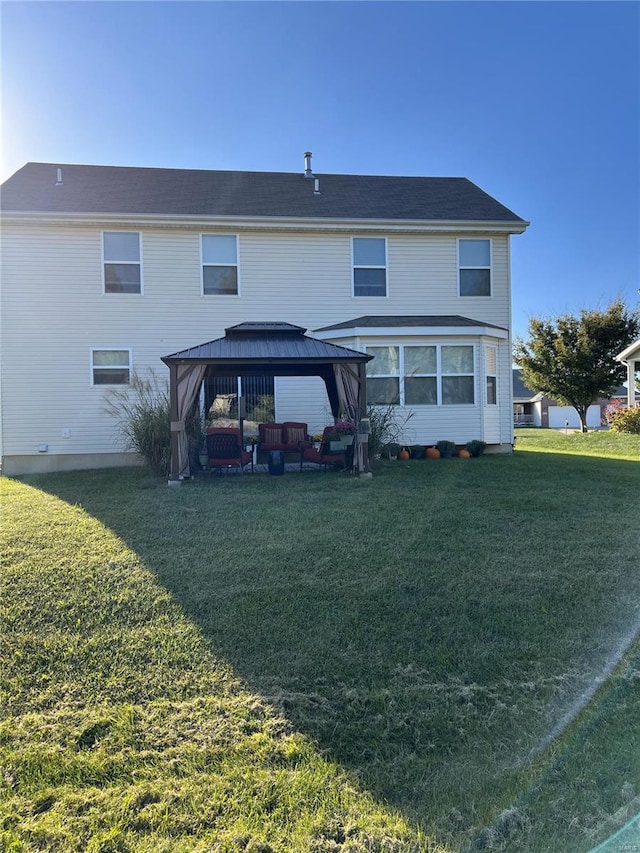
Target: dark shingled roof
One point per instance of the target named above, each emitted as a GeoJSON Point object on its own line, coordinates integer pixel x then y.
{"type": "Point", "coordinates": [370, 321]}
{"type": "Point", "coordinates": [190, 192]}
{"type": "Point", "coordinates": [522, 394]}
{"type": "Point", "coordinates": [261, 342]}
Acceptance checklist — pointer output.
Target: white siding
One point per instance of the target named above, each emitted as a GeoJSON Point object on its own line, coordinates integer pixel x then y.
{"type": "Point", "coordinates": [54, 312]}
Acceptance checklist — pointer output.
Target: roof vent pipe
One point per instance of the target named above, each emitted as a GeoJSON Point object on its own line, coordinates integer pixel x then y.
{"type": "Point", "coordinates": [307, 164]}
{"type": "Point", "coordinates": [58, 177]}
{"type": "Point", "coordinates": [316, 186]}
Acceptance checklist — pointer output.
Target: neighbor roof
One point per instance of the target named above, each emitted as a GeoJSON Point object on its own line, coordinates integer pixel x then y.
{"type": "Point", "coordinates": [190, 192]}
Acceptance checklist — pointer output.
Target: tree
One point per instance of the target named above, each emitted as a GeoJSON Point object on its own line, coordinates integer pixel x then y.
{"type": "Point", "coordinates": [572, 359]}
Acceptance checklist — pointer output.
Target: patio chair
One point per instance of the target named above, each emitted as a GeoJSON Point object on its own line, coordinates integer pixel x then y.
{"type": "Point", "coordinates": [323, 456]}
{"type": "Point", "coordinates": [225, 450]}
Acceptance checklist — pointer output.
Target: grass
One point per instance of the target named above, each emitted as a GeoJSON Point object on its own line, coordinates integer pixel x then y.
{"type": "Point", "coordinates": [315, 663]}
{"type": "Point", "coordinates": [596, 443]}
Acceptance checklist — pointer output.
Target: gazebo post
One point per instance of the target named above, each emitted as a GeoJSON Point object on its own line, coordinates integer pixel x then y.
{"type": "Point", "coordinates": [174, 477]}
{"type": "Point", "coordinates": [362, 377]}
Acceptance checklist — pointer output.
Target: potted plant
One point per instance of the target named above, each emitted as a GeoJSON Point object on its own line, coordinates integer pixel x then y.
{"type": "Point", "coordinates": [347, 431]}
{"type": "Point", "coordinates": [446, 449]}
{"type": "Point", "coordinates": [476, 447]}
{"type": "Point", "coordinates": [417, 451]}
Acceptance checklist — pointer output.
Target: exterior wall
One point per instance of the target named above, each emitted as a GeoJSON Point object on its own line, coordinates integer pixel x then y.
{"type": "Point", "coordinates": [54, 311]}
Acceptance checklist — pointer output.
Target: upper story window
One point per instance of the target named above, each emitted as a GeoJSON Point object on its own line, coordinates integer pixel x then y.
{"type": "Point", "coordinates": [110, 366]}
{"type": "Point", "coordinates": [122, 265]}
{"type": "Point", "coordinates": [433, 375]}
{"type": "Point", "coordinates": [369, 266]}
{"type": "Point", "coordinates": [219, 265]}
{"type": "Point", "coordinates": [474, 260]}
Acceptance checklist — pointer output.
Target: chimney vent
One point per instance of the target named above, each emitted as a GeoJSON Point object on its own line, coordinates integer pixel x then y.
{"type": "Point", "coordinates": [58, 177]}
{"type": "Point", "coordinates": [316, 186]}
{"type": "Point", "coordinates": [307, 164]}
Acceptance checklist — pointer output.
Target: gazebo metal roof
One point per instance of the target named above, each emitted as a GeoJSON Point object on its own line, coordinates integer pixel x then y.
{"type": "Point", "coordinates": [278, 348]}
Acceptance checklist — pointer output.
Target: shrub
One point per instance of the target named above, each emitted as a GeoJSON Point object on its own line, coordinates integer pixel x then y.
{"type": "Point", "coordinates": [143, 416]}
{"type": "Point", "coordinates": [476, 447]}
{"type": "Point", "coordinates": [445, 446]}
{"type": "Point", "coordinates": [626, 420]}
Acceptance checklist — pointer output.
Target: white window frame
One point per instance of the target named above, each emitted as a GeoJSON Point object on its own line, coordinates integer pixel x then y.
{"type": "Point", "coordinates": [490, 375]}
{"type": "Point", "coordinates": [93, 367]}
{"type": "Point", "coordinates": [397, 375]}
{"type": "Point", "coordinates": [106, 292]}
{"type": "Point", "coordinates": [369, 267]}
{"type": "Point", "coordinates": [439, 376]}
{"type": "Point", "coordinates": [406, 375]}
{"type": "Point", "coordinates": [209, 264]}
{"type": "Point", "coordinates": [475, 267]}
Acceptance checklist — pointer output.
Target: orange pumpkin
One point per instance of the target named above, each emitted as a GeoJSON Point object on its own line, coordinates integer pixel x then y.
{"type": "Point", "coordinates": [404, 454]}
{"type": "Point", "coordinates": [464, 453]}
{"type": "Point", "coordinates": [432, 453]}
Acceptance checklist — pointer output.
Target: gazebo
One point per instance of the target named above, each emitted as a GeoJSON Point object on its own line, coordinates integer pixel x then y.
{"type": "Point", "coordinates": [631, 358]}
{"type": "Point", "coordinates": [271, 349]}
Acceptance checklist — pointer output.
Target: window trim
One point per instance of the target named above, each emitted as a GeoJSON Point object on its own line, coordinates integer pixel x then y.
{"type": "Point", "coordinates": [92, 367]}
{"type": "Point", "coordinates": [208, 264]}
{"type": "Point", "coordinates": [369, 267]}
{"type": "Point", "coordinates": [475, 267]}
{"type": "Point", "coordinates": [439, 375]}
{"type": "Point", "coordinates": [106, 292]}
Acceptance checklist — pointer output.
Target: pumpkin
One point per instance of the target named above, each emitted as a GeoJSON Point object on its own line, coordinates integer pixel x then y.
{"type": "Point", "coordinates": [464, 453]}
{"type": "Point", "coordinates": [404, 454]}
{"type": "Point", "coordinates": [432, 453]}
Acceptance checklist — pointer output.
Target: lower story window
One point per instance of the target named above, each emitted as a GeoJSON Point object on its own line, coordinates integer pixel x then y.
{"type": "Point", "coordinates": [433, 375]}
{"type": "Point", "coordinates": [491, 374]}
{"type": "Point", "coordinates": [111, 366]}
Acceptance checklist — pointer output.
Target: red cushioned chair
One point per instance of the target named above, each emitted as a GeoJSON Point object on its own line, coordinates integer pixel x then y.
{"type": "Point", "coordinates": [225, 450]}
{"type": "Point", "coordinates": [323, 455]}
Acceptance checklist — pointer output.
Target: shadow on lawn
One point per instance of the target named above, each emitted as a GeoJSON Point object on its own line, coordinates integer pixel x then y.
{"type": "Point", "coordinates": [417, 627]}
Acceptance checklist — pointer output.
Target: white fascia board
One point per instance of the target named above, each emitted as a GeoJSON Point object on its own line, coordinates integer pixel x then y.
{"type": "Point", "coordinates": [632, 350]}
{"type": "Point", "coordinates": [270, 223]}
{"type": "Point", "coordinates": [414, 331]}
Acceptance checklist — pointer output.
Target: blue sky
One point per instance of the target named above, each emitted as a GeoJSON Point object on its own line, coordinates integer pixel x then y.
{"type": "Point", "coordinates": [538, 103]}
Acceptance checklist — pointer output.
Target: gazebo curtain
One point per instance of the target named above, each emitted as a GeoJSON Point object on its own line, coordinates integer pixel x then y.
{"type": "Point", "coordinates": [189, 380]}
{"type": "Point", "coordinates": [349, 394]}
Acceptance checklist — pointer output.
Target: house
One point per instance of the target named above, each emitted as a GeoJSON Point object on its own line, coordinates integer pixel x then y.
{"type": "Point", "coordinates": [106, 270]}
{"type": "Point", "coordinates": [630, 357]}
{"type": "Point", "coordinates": [531, 408]}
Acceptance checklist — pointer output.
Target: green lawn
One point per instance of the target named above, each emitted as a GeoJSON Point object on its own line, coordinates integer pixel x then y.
{"type": "Point", "coordinates": [317, 663]}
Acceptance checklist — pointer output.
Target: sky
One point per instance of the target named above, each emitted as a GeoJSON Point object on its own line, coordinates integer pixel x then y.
{"type": "Point", "coordinates": [536, 102]}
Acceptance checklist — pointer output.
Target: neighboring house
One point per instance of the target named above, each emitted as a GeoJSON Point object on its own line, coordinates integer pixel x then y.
{"type": "Point", "coordinates": [107, 269]}
{"type": "Point", "coordinates": [630, 357]}
{"type": "Point", "coordinates": [531, 408]}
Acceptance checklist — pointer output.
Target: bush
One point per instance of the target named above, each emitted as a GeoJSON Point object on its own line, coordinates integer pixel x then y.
{"type": "Point", "coordinates": [143, 416]}
{"type": "Point", "coordinates": [476, 447]}
{"type": "Point", "coordinates": [626, 420]}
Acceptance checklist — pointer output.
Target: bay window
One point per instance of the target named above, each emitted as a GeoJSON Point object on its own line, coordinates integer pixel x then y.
{"type": "Point", "coordinates": [427, 375]}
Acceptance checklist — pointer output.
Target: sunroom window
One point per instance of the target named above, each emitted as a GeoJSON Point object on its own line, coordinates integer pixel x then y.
{"type": "Point", "coordinates": [383, 376]}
